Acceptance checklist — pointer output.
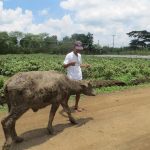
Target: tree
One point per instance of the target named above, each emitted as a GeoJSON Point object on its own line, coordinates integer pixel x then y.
{"type": "Point", "coordinates": [141, 39]}
{"type": "Point", "coordinates": [18, 42]}
{"type": "Point", "coordinates": [87, 40]}
{"type": "Point", "coordinates": [90, 41]}
{"type": "Point", "coordinates": [25, 42]}
{"type": "Point", "coordinates": [7, 43]}
{"type": "Point", "coordinates": [66, 45]}
{"type": "Point", "coordinates": [17, 35]}
{"type": "Point", "coordinates": [49, 41]}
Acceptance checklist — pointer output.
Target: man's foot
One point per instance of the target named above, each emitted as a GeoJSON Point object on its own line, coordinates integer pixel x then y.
{"type": "Point", "coordinates": [77, 109]}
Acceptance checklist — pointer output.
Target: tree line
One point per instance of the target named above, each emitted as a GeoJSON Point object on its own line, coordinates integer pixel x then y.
{"type": "Point", "coordinates": [25, 43]}
{"type": "Point", "coordinates": [18, 42]}
{"type": "Point", "coordinates": [140, 39]}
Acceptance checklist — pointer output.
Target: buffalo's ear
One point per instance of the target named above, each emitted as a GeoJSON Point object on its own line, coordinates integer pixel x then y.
{"type": "Point", "coordinates": [84, 84]}
{"type": "Point", "coordinates": [88, 81]}
{"type": "Point", "coordinates": [91, 83]}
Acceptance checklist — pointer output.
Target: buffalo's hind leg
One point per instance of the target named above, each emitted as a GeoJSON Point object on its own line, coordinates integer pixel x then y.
{"type": "Point", "coordinates": [53, 110]}
{"type": "Point", "coordinates": [8, 125]}
{"type": "Point", "coordinates": [18, 114]}
{"type": "Point", "coordinates": [15, 138]}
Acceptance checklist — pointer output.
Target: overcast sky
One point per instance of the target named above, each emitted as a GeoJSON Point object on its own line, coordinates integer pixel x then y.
{"type": "Point", "coordinates": [102, 18]}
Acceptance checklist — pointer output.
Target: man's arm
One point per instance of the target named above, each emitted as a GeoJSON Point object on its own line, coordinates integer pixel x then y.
{"type": "Point", "coordinates": [69, 64]}
{"type": "Point", "coordinates": [85, 65]}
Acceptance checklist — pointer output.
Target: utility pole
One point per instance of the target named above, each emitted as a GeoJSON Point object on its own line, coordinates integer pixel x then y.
{"type": "Point", "coordinates": [113, 40]}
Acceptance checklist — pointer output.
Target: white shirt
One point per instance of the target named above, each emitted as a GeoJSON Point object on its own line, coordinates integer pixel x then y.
{"type": "Point", "coordinates": [74, 72]}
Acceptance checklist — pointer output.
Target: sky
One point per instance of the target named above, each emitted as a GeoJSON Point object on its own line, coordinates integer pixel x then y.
{"type": "Point", "coordinates": [102, 18]}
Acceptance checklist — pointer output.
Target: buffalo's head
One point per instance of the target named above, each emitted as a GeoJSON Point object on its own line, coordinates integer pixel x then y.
{"type": "Point", "coordinates": [87, 88]}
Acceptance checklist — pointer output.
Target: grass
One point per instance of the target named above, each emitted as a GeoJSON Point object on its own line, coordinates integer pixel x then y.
{"type": "Point", "coordinates": [3, 108]}
{"type": "Point", "coordinates": [120, 88]}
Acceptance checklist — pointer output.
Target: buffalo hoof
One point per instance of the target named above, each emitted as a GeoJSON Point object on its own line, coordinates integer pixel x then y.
{"type": "Point", "coordinates": [18, 139]}
{"type": "Point", "coordinates": [50, 130]}
{"type": "Point", "coordinates": [72, 120]}
{"type": "Point", "coordinates": [6, 146]}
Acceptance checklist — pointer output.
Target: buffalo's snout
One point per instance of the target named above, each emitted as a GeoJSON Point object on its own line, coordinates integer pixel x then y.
{"type": "Point", "coordinates": [92, 93]}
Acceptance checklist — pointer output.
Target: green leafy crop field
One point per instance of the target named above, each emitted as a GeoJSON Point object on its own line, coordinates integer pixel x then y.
{"type": "Point", "coordinates": [124, 69]}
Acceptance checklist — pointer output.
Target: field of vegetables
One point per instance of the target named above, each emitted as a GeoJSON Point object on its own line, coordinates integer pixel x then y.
{"type": "Point", "coordinates": [123, 69]}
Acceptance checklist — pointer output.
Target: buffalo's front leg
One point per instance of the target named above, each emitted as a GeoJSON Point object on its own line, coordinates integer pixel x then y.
{"type": "Point", "coordinates": [68, 111]}
{"type": "Point", "coordinates": [51, 117]}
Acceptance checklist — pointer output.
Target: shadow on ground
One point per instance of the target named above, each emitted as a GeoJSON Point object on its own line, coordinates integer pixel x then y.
{"type": "Point", "coordinates": [38, 136]}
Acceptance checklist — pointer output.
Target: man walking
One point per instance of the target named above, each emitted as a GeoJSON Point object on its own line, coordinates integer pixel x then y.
{"type": "Point", "coordinates": [73, 64]}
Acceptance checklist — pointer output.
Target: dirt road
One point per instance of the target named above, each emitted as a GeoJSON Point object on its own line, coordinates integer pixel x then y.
{"type": "Point", "coordinates": [116, 121]}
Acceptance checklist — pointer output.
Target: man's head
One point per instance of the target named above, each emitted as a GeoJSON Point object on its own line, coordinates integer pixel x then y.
{"type": "Point", "coordinates": [78, 46]}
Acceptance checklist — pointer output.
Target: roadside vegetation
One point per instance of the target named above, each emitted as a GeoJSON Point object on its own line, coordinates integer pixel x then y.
{"type": "Point", "coordinates": [122, 69]}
